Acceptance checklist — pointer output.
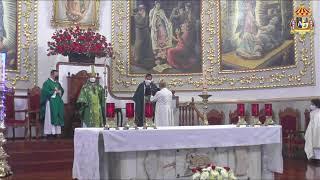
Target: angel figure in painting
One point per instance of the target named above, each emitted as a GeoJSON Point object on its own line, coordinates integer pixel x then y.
{"type": "Point", "coordinates": [161, 30]}
{"type": "Point", "coordinates": [76, 10]}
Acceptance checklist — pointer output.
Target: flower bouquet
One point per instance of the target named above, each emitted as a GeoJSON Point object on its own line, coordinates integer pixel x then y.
{"type": "Point", "coordinates": [74, 40]}
{"type": "Point", "coordinates": [212, 172]}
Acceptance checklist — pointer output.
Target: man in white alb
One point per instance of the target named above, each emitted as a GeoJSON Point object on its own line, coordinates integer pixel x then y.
{"type": "Point", "coordinates": [312, 145]}
{"type": "Point", "coordinates": [164, 112]}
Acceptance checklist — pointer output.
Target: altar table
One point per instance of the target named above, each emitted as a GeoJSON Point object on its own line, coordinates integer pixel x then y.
{"type": "Point", "coordinates": [171, 152]}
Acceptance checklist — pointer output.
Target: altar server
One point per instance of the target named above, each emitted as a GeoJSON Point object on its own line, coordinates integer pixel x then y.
{"type": "Point", "coordinates": [312, 145]}
{"type": "Point", "coordinates": [163, 112]}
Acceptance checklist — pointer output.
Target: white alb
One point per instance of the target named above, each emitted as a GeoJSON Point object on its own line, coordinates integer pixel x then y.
{"type": "Point", "coordinates": [312, 145]}
{"type": "Point", "coordinates": [163, 112]}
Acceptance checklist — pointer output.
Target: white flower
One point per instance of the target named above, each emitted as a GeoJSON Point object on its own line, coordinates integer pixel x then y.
{"type": "Point", "coordinates": [196, 176]}
{"type": "Point", "coordinates": [214, 174]}
{"type": "Point", "coordinates": [207, 169]}
{"type": "Point", "coordinates": [231, 175]}
{"type": "Point", "coordinates": [219, 173]}
{"type": "Point", "coordinates": [224, 173]}
{"type": "Point", "coordinates": [205, 175]}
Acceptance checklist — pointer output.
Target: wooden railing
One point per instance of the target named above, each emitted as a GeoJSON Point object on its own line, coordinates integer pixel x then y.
{"type": "Point", "coordinates": [189, 114]}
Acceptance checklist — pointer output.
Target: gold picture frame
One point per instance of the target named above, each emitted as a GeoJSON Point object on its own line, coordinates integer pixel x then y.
{"type": "Point", "coordinates": [76, 13]}
{"type": "Point", "coordinates": [25, 75]}
{"type": "Point", "coordinates": [300, 73]}
{"type": "Point", "coordinates": [8, 34]}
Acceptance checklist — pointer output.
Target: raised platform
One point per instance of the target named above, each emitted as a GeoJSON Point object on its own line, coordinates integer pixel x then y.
{"type": "Point", "coordinates": [40, 159]}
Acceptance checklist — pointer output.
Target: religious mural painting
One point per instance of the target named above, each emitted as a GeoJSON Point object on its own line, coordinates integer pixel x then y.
{"type": "Point", "coordinates": [255, 35]}
{"type": "Point", "coordinates": [165, 37]}
{"type": "Point", "coordinates": [84, 13]}
{"type": "Point", "coordinates": [242, 45]}
{"type": "Point", "coordinates": [8, 33]}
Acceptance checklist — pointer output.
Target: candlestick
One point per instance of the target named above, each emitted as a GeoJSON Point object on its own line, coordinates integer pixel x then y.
{"type": "Point", "coordinates": [110, 112]}
{"type": "Point", "coordinates": [205, 98]}
{"type": "Point", "coordinates": [240, 109]}
{"type": "Point", "coordinates": [204, 83]}
{"type": "Point", "coordinates": [241, 112]}
{"type": "Point", "coordinates": [268, 112]}
{"type": "Point", "coordinates": [255, 114]}
{"type": "Point", "coordinates": [130, 115]}
{"type": "Point", "coordinates": [148, 116]}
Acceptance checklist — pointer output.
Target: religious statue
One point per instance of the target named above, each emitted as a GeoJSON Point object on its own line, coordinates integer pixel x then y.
{"type": "Point", "coordinates": [91, 103]}
{"type": "Point", "coordinates": [76, 10]}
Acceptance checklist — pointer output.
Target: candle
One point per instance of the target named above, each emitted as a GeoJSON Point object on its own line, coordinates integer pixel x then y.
{"type": "Point", "coordinates": [240, 109]}
{"type": "Point", "coordinates": [148, 110]}
{"type": "Point", "coordinates": [268, 109]}
{"type": "Point", "coordinates": [129, 110]}
{"type": "Point", "coordinates": [255, 109]}
{"type": "Point", "coordinates": [110, 109]}
{"type": "Point", "coordinates": [205, 83]}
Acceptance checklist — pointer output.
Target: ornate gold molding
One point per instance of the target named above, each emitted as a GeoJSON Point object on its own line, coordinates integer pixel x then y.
{"type": "Point", "coordinates": [299, 74]}
{"type": "Point", "coordinates": [27, 23]}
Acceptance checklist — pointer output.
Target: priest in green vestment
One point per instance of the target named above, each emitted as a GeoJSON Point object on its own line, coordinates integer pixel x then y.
{"type": "Point", "coordinates": [91, 103]}
{"type": "Point", "coordinates": [51, 104]}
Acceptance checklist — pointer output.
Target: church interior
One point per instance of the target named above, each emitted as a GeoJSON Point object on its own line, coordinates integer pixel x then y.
{"type": "Point", "coordinates": [159, 89]}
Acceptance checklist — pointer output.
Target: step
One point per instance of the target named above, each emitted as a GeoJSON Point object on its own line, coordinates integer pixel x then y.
{"type": "Point", "coordinates": [37, 156]}
{"type": "Point", "coordinates": [37, 145]}
{"type": "Point", "coordinates": [42, 166]}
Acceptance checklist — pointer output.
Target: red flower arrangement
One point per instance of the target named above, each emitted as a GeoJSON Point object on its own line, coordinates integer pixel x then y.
{"type": "Point", "coordinates": [74, 40]}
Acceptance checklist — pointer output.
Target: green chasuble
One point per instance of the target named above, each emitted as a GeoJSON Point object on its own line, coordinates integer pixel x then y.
{"type": "Point", "coordinates": [56, 102]}
{"type": "Point", "coordinates": [91, 103]}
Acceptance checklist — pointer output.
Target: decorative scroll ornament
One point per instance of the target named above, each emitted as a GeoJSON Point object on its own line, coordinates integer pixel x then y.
{"type": "Point", "coordinates": [302, 22]}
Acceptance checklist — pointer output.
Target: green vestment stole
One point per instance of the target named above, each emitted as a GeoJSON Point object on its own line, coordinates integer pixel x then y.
{"type": "Point", "coordinates": [56, 103]}
{"type": "Point", "coordinates": [91, 103]}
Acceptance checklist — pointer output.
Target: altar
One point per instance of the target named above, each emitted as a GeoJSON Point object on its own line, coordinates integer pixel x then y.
{"type": "Point", "coordinates": [171, 152]}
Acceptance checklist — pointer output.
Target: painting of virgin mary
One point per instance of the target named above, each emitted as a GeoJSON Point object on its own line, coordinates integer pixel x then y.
{"type": "Point", "coordinates": [76, 10]}
{"type": "Point", "coordinates": [161, 29]}
{"type": "Point", "coordinates": [255, 35]}
{"type": "Point", "coordinates": [83, 13]}
{"type": "Point", "coordinates": [165, 37]}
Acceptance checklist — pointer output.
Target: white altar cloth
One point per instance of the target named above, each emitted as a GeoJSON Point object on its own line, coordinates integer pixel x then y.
{"type": "Point", "coordinates": [187, 137]}
{"type": "Point", "coordinates": [87, 155]}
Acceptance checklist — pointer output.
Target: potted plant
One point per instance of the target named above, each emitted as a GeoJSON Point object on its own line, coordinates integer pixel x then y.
{"type": "Point", "coordinates": [80, 45]}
